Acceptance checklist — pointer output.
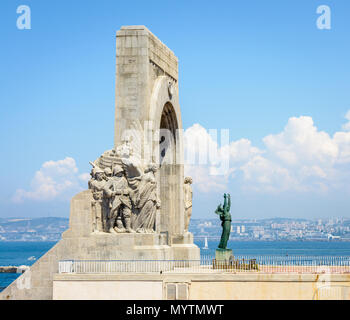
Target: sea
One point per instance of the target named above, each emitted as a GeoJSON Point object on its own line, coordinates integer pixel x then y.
{"type": "Point", "coordinates": [27, 253]}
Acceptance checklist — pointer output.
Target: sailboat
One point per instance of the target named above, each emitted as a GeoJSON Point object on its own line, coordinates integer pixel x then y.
{"type": "Point", "coordinates": [205, 243]}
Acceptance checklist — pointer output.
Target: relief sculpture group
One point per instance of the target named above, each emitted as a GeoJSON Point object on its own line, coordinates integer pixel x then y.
{"type": "Point", "coordinates": [125, 195]}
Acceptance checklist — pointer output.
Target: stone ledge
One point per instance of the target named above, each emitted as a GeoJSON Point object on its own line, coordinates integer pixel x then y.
{"type": "Point", "coordinates": [200, 277]}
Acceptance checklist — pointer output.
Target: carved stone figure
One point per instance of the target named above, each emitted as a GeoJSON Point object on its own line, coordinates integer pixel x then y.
{"type": "Point", "coordinates": [117, 191]}
{"type": "Point", "coordinates": [125, 150]}
{"type": "Point", "coordinates": [134, 174]}
{"type": "Point", "coordinates": [107, 173]}
{"type": "Point", "coordinates": [147, 201]}
{"type": "Point", "coordinates": [130, 195]}
{"type": "Point", "coordinates": [188, 201]}
{"type": "Point", "coordinates": [225, 217]}
{"type": "Point", "coordinates": [96, 185]}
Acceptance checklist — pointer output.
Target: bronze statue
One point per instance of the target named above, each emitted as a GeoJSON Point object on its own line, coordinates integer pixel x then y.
{"type": "Point", "coordinates": [225, 217]}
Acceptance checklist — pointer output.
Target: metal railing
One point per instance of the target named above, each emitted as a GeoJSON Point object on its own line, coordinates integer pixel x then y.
{"type": "Point", "coordinates": [208, 264]}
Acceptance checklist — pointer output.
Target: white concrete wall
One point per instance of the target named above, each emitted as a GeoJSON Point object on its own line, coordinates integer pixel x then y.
{"type": "Point", "coordinates": [107, 290]}
{"type": "Point", "coordinates": [229, 290]}
{"type": "Point", "coordinates": [203, 286]}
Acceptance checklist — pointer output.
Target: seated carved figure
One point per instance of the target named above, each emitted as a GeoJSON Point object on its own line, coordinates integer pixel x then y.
{"type": "Point", "coordinates": [117, 191]}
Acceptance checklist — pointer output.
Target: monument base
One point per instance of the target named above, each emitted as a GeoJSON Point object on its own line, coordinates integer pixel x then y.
{"type": "Point", "coordinates": [222, 255]}
{"type": "Point", "coordinates": [79, 242]}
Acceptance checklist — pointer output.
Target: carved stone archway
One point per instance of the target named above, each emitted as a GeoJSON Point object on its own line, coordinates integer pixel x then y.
{"type": "Point", "coordinates": [166, 117]}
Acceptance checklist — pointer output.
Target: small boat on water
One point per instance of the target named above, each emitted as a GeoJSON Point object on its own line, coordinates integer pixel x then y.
{"type": "Point", "coordinates": [205, 243]}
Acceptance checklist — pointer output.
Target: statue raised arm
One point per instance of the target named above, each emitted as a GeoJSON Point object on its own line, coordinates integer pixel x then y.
{"type": "Point", "coordinates": [228, 203]}
{"type": "Point", "coordinates": [225, 217]}
{"type": "Point", "coordinates": [225, 201]}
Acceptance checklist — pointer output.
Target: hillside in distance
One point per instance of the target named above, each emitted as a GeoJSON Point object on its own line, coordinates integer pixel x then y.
{"type": "Point", "coordinates": [32, 229]}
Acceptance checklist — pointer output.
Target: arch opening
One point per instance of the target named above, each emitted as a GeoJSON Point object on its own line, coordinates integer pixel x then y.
{"type": "Point", "coordinates": [168, 170]}
{"type": "Point", "coordinates": [167, 135]}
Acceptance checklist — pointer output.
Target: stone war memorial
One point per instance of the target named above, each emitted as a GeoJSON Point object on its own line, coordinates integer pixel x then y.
{"type": "Point", "coordinates": [128, 235]}
{"type": "Point", "coordinates": [138, 202]}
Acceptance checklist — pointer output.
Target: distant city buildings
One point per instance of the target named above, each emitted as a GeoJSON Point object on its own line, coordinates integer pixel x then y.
{"type": "Point", "coordinates": [37, 229]}
{"type": "Point", "coordinates": [275, 229]}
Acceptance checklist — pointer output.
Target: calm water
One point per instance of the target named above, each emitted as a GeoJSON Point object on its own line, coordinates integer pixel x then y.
{"type": "Point", "coordinates": [300, 248]}
{"type": "Point", "coordinates": [20, 253]}
{"type": "Point", "coordinates": [26, 253]}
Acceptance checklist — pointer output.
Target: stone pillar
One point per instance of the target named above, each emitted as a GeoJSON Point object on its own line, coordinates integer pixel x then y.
{"type": "Point", "coordinates": [147, 93]}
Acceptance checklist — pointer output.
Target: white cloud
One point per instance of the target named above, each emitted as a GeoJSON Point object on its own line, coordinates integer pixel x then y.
{"type": "Point", "coordinates": [342, 140]}
{"type": "Point", "coordinates": [261, 174]}
{"type": "Point", "coordinates": [346, 126]}
{"type": "Point", "coordinates": [85, 177]}
{"type": "Point", "coordinates": [300, 158]}
{"type": "Point", "coordinates": [200, 146]}
{"type": "Point", "coordinates": [240, 150]}
{"type": "Point", "coordinates": [205, 182]}
{"type": "Point", "coordinates": [210, 162]}
{"type": "Point", "coordinates": [301, 143]}
{"type": "Point", "coordinates": [201, 155]}
{"type": "Point", "coordinates": [55, 179]}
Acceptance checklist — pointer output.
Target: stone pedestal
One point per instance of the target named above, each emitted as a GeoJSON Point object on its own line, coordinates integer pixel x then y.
{"type": "Point", "coordinates": [84, 244]}
{"type": "Point", "coordinates": [223, 255]}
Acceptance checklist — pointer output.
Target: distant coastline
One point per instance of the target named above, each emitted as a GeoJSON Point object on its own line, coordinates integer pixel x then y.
{"type": "Point", "coordinates": [212, 238]}
{"type": "Point", "coordinates": [273, 229]}
{"type": "Point", "coordinates": [273, 240]}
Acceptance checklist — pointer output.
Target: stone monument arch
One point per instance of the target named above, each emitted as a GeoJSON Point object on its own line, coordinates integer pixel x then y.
{"type": "Point", "coordinates": [147, 92]}
{"type": "Point", "coordinates": [134, 206]}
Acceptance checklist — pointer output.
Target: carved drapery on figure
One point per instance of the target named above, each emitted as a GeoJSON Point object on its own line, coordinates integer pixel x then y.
{"type": "Point", "coordinates": [188, 201]}
{"type": "Point", "coordinates": [96, 185]}
{"type": "Point", "coordinates": [125, 195]}
{"type": "Point", "coordinates": [147, 201]}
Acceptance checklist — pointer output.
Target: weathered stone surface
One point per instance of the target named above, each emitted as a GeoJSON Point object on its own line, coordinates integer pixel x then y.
{"type": "Point", "coordinates": [80, 243]}
{"type": "Point", "coordinates": [188, 201]}
{"type": "Point", "coordinates": [147, 109]}
{"type": "Point", "coordinates": [202, 286]}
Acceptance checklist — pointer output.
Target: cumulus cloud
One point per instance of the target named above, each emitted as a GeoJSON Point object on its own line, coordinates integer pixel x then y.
{"type": "Point", "coordinates": [201, 153]}
{"type": "Point", "coordinates": [300, 158]}
{"type": "Point", "coordinates": [85, 177]}
{"type": "Point", "coordinates": [260, 171]}
{"type": "Point", "coordinates": [204, 181]}
{"type": "Point", "coordinates": [242, 150]}
{"type": "Point", "coordinates": [55, 179]}
{"type": "Point", "coordinates": [342, 140]}
{"type": "Point", "coordinates": [346, 126]}
{"type": "Point", "coordinates": [212, 161]}
{"type": "Point", "coordinates": [300, 142]}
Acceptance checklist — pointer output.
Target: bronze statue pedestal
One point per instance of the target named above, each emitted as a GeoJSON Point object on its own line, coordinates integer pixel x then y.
{"type": "Point", "coordinates": [223, 255]}
{"type": "Point", "coordinates": [223, 259]}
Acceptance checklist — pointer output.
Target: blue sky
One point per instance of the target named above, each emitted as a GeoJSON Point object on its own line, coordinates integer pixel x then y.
{"type": "Point", "coordinates": [258, 68]}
